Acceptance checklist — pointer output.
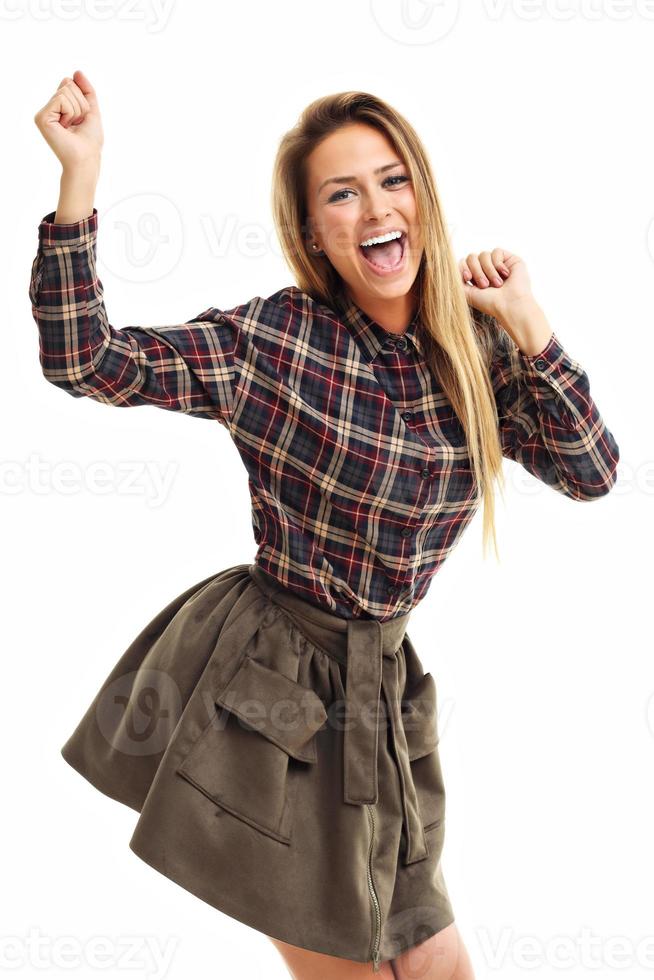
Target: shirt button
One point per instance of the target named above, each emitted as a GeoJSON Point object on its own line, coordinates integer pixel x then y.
{"type": "Point", "coordinates": [540, 364]}
{"type": "Point", "coordinates": [401, 343]}
{"type": "Point", "coordinates": [407, 416]}
{"type": "Point", "coordinates": [391, 590]}
{"type": "Point", "coordinates": [406, 532]}
{"type": "Point", "coordinates": [425, 473]}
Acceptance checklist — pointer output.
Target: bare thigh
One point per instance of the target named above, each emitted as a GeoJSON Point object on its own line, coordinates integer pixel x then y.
{"type": "Point", "coordinates": [441, 957]}
{"type": "Point", "coordinates": [305, 964]}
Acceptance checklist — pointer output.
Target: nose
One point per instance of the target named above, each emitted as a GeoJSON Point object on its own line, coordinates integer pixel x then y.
{"type": "Point", "coordinates": [376, 205]}
{"type": "Point", "coordinates": [376, 215]}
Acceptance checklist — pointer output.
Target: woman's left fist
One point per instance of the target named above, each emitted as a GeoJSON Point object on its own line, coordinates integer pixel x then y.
{"type": "Point", "coordinates": [496, 283]}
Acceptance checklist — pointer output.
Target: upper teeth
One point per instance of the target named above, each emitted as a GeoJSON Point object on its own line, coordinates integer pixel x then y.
{"type": "Point", "coordinates": [383, 238]}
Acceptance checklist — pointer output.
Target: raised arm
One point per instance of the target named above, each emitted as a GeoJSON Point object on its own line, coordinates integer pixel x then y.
{"type": "Point", "coordinates": [187, 367]}
{"type": "Point", "coordinates": [549, 422]}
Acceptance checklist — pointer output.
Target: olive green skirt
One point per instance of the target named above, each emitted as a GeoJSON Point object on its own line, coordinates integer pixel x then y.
{"type": "Point", "coordinates": [284, 762]}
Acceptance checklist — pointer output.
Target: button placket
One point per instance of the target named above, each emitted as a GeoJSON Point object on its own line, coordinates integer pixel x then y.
{"type": "Point", "coordinates": [426, 475]}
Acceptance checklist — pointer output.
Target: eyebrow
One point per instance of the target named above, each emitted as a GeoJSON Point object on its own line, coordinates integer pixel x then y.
{"type": "Point", "coordinates": [352, 177]}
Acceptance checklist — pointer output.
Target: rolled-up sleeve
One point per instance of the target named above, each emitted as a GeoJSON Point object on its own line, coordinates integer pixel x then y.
{"type": "Point", "coordinates": [549, 422]}
{"type": "Point", "coordinates": [188, 367]}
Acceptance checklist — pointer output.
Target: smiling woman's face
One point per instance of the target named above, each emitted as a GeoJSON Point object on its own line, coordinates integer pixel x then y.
{"type": "Point", "coordinates": [373, 194]}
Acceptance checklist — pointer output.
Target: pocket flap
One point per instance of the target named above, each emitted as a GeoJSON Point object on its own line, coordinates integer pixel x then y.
{"type": "Point", "coordinates": [279, 708]}
{"type": "Point", "coordinates": [420, 719]}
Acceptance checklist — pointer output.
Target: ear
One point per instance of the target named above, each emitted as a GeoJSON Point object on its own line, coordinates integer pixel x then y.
{"type": "Point", "coordinates": [311, 238]}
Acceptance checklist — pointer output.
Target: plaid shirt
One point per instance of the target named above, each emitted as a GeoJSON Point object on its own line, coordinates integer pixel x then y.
{"type": "Point", "coordinates": [358, 468]}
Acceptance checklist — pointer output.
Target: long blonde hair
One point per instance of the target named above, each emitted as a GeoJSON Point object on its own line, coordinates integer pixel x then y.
{"type": "Point", "coordinates": [459, 342]}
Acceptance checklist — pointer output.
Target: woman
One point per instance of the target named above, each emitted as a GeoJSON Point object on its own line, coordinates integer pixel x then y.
{"type": "Point", "coordinates": [273, 725]}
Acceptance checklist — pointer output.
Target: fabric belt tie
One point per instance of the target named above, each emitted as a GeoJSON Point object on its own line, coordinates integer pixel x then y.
{"type": "Point", "coordinates": [369, 669]}
{"type": "Point", "coordinates": [372, 668]}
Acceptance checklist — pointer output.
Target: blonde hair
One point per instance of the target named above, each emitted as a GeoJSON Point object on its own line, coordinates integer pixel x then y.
{"type": "Point", "coordinates": [459, 342]}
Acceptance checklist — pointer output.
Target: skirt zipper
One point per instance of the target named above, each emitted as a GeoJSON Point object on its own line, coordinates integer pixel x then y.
{"type": "Point", "coordinates": [375, 901]}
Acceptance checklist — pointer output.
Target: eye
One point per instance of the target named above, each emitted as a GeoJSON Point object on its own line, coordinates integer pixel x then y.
{"type": "Point", "coordinates": [337, 196]}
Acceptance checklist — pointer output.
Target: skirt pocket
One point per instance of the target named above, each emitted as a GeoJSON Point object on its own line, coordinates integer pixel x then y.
{"type": "Point", "coordinates": [419, 713]}
{"type": "Point", "coordinates": [256, 745]}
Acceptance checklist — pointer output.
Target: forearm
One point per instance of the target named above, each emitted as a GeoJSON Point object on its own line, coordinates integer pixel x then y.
{"type": "Point", "coordinates": [550, 423]}
{"type": "Point", "coordinates": [528, 326]}
{"type": "Point", "coordinates": [76, 194]}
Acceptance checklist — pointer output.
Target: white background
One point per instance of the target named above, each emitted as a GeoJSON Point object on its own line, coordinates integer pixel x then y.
{"type": "Point", "coordinates": [537, 118]}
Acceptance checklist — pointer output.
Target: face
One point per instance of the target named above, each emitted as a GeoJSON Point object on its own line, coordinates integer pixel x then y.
{"type": "Point", "coordinates": [372, 194]}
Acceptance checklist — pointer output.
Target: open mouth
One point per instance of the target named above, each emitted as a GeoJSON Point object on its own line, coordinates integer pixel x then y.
{"type": "Point", "coordinates": [387, 257]}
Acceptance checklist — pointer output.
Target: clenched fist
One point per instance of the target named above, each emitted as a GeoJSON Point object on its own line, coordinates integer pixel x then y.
{"type": "Point", "coordinates": [71, 125]}
{"type": "Point", "coordinates": [495, 282]}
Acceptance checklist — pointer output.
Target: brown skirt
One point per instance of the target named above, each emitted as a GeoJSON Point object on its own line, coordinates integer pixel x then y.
{"type": "Point", "coordinates": [284, 762]}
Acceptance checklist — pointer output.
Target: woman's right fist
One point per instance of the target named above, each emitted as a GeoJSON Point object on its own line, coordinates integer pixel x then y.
{"type": "Point", "coordinates": [70, 124]}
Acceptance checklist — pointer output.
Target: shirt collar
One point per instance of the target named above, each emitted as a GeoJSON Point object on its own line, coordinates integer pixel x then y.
{"type": "Point", "coordinates": [370, 334]}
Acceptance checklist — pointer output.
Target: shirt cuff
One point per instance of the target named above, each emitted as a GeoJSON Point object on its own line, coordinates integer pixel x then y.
{"type": "Point", "coordinates": [556, 379]}
{"type": "Point", "coordinates": [73, 233]}
{"type": "Point", "coordinates": [541, 364]}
